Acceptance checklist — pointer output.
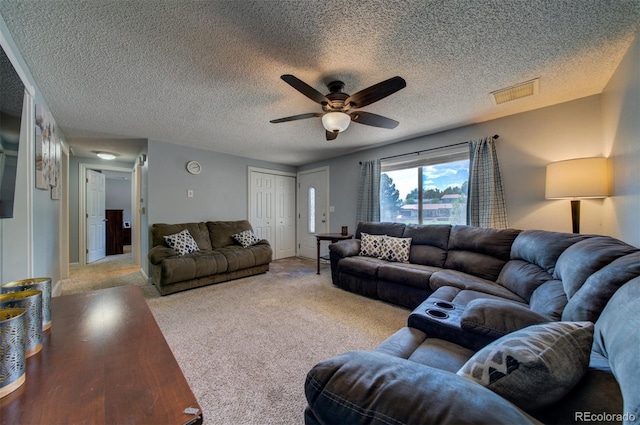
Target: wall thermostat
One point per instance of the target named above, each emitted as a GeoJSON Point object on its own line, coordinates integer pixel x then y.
{"type": "Point", "coordinates": [194, 167]}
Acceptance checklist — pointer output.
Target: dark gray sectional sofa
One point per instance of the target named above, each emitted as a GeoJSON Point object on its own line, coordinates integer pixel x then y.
{"type": "Point", "coordinates": [219, 258]}
{"type": "Point", "coordinates": [507, 327]}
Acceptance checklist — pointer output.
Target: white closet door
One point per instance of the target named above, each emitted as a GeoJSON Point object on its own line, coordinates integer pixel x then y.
{"type": "Point", "coordinates": [262, 205]}
{"type": "Point", "coordinates": [285, 217]}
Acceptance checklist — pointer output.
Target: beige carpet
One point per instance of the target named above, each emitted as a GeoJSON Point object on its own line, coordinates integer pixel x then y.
{"type": "Point", "coordinates": [245, 346]}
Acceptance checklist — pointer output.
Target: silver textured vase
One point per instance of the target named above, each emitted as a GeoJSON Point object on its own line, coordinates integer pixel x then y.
{"type": "Point", "coordinates": [12, 350]}
{"type": "Point", "coordinates": [31, 301]}
{"type": "Point", "coordinates": [38, 283]}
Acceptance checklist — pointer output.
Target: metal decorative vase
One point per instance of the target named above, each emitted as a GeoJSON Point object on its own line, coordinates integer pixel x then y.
{"type": "Point", "coordinates": [31, 301]}
{"type": "Point", "coordinates": [12, 350]}
{"type": "Point", "coordinates": [38, 283]}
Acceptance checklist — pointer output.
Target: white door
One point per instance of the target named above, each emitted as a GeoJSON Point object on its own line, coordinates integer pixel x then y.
{"type": "Point", "coordinates": [285, 217]}
{"type": "Point", "coordinates": [96, 230]}
{"type": "Point", "coordinates": [313, 209]}
{"type": "Point", "coordinates": [261, 215]}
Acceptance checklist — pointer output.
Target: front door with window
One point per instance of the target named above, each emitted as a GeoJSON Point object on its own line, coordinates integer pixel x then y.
{"type": "Point", "coordinates": [313, 209]}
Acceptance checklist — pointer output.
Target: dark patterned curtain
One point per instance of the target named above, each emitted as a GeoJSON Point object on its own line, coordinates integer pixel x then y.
{"type": "Point", "coordinates": [369, 192]}
{"type": "Point", "coordinates": [486, 206]}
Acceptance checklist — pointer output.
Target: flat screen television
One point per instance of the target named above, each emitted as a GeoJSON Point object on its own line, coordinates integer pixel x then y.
{"type": "Point", "coordinates": [11, 98]}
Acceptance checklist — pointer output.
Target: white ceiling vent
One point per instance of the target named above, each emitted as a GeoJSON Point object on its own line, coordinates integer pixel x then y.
{"type": "Point", "coordinates": [518, 91]}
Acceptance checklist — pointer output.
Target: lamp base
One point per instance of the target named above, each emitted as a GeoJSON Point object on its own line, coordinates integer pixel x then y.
{"type": "Point", "coordinates": [575, 215]}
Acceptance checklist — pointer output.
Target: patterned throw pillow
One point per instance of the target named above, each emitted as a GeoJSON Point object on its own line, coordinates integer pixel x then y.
{"type": "Point", "coordinates": [371, 245]}
{"type": "Point", "coordinates": [182, 242]}
{"type": "Point", "coordinates": [246, 238]}
{"type": "Point", "coordinates": [534, 366]}
{"type": "Point", "coordinates": [396, 249]}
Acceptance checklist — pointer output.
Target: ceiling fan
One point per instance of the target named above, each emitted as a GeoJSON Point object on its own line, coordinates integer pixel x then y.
{"type": "Point", "coordinates": [338, 106]}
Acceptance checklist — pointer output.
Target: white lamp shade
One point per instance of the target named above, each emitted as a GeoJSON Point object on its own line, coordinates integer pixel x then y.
{"type": "Point", "coordinates": [578, 178]}
{"type": "Point", "coordinates": [336, 122]}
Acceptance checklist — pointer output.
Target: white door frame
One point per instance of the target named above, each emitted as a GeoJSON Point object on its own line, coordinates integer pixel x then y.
{"type": "Point", "coordinates": [82, 209]}
{"type": "Point", "coordinates": [298, 208]}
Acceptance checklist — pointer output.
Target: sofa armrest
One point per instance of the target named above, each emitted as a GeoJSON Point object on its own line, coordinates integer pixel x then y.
{"type": "Point", "coordinates": [375, 388]}
{"type": "Point", "coordinates": [159, 253]}
{"type": "Point", "coordinates": [496, 318]}
{"type": "Point", "coordinates": [346, 248]}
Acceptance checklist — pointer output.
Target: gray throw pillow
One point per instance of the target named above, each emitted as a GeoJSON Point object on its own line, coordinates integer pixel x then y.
{"type": "Point", "coordinates": [534, 366]}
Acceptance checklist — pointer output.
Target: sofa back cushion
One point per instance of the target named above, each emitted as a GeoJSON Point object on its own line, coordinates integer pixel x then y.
{"type": "Point", "coordinates": [616, 337]}
{"type": "Point", "coordinates": [380, 228]}
{"type": "Point", "coordinates": [428, 243]}
{"type": "Point", "coordinates": [221, 232]}
{"type": "Point", "coordinates": [589, 301]}
{"type": "Point", "coordinates": [584, 258]}
{"type": "Point", "coordinates": [534, 254]}
{"type": "Point", "coordinates": [198, 231]}
{"type": "Point", "coordinates": [479, 251]}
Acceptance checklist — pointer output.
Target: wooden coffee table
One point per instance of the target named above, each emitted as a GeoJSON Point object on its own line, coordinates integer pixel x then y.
{"type": "Point", "coordinates": [104, 361]}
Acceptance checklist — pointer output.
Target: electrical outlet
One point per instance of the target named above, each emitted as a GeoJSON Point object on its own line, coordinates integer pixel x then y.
{"type": "Point", "coordinates": [190, 193]}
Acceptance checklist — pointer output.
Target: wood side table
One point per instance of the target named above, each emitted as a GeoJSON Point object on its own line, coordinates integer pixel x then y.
{"type": "Point", "coordinates": [333, 237]}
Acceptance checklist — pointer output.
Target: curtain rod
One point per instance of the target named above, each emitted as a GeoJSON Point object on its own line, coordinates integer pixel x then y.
{"type": "Point", "coordinates": [495, 137]}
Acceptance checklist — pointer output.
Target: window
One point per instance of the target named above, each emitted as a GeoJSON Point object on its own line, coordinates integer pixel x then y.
{"type": "Point", "coordinates": [443, 177]}
{"type": "Point", "coordinates": [312, 210]}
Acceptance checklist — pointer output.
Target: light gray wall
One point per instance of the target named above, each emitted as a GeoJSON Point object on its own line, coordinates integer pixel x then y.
{"type": "Point", "coordinates": [528, 141]}
{"type": "Point", "coordinates": [621, 115]}
{"type": "Point", "coordinates": [118, 197]}
{"type": "Point", "coordinates": [17, 246]}
{"type": "Point", "coordinates": [74, 169]}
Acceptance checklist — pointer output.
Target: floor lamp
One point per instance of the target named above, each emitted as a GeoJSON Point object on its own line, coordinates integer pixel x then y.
{"type": "Point", "coordinates": [577, 179]}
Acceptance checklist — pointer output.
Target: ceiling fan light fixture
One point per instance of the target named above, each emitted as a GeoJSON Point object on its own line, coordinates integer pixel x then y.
{"type": "Point", "coordinates": [336, 122]}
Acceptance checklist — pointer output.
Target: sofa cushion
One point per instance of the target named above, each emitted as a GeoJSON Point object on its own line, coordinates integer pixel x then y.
{"type": "Point", "coordinates": [245, 238]}
{"type": "Point", "coordinates": [522, 277]}
{"type": "Point", "coordinates": [479, 251]}
{"type": "Point", "coordinates": [414, 275]}
{"type": "Point", "coordinates": [395, 249]}
{"type": "Point", "coordinates": [182, 242]}
{"type": "Point", "coordinates": [376, 228]}
{"type": "Point", "coordinates": [466, 281]}
{"type": "Point", "coordinates": [428, 243]}
{"type": "Point", "coordinates": [496, 318]}
{"type": "Point", "coordinates": [542, 248]}
{"type": "Point", "coordinates": [361, 266]}
{"type": "Point", "coordinates": [221, 232]}
{"type": "Point", "coordinates": [545, 360]}
{"type": "Point", "coordinates": [371, 387]}
{"type": "Point", "coordinates": [549, 299]}
{"type": "Point", "coordinates": [198, 231]}
{"type": "Point", "coordinates": [371, 245]}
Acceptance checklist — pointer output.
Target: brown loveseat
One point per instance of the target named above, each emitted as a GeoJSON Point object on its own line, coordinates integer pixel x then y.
{"type": "Point", "coordinates": [219, 258]}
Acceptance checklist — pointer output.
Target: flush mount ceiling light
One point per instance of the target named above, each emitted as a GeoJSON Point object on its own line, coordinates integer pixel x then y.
{"type": "Point", "coordinates": [336, 122]}
{"type": "Point", "coordinates": [106, 155]}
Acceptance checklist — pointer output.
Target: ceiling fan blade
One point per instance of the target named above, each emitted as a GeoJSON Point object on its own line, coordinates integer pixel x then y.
{"type": "Point", "coordinates": [305, 88]}
{"type": "Point", "coordinates": [376, 92]}
{"type": "Point", "coordinates": [331, 135]}
{"type": "Point", "coordinates": [297, 117]}
{"type": "Point", "coordinates": [375, 120]}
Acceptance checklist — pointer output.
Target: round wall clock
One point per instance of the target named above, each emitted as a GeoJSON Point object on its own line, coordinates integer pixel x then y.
{"type": "Point", "coordinates": [194, 167]}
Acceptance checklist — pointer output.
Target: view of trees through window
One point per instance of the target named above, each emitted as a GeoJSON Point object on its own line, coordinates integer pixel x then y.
{"type": "Point", "coordinates": [444, 194]}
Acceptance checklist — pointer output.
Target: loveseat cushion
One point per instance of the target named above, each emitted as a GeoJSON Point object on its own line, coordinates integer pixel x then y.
{"type": "Point", "coordinates": [375, 388]}
{"type": "Point", "coordinates": [545, 360]}
{"type": "Point", "coordinates": [383, 228]}
{"type": "Point", "coordinates": [198, 231]}
{"type": "Point", "coordinates": [221, 232]}
{"type": "Point", "coordinates": [239, 258]}
{"type": "Point", "coordinates": [191, 266]}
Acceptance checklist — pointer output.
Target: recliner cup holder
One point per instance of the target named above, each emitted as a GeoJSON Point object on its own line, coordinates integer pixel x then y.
{"type": "Point", "coordinates": [445, 305]}
{"type": "Point", "coordinates": [438, 314]}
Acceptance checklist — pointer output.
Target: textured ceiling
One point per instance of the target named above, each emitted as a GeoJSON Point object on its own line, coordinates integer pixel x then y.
{"type": "Point", "coordinates": [206, 73]}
